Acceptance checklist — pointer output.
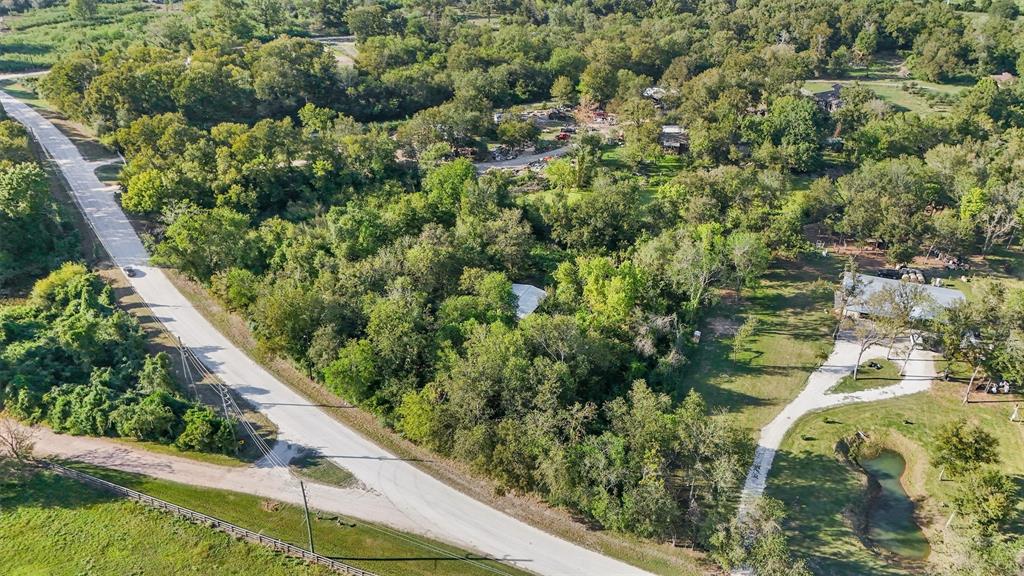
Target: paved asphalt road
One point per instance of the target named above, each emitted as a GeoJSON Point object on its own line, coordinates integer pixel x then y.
{"type": "Point", "coordinates": [440, 510]}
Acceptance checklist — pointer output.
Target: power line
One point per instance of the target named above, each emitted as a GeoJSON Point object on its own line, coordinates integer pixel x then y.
{"type": "Point", "coordinates": [273, 458]}
{"type": "Point", "coordinates": [231, 410]}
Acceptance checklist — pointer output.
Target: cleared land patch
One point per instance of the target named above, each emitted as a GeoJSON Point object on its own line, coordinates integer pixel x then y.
{"type": "Point", "coordinates": [756, 377]}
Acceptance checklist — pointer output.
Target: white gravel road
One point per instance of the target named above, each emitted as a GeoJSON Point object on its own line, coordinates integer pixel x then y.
{"type": "Point", "coordinates": [433, 507]}
{"type": "Point", "coordinates": [918, 377]}
{"type": "Point", "coordinates": [261, 479]}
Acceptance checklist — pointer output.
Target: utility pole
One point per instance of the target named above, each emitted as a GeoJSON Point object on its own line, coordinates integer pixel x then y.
{"type": "Point", "coordinates": [309, 527]}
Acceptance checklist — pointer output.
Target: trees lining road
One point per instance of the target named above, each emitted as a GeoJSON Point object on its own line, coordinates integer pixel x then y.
{"type": "Point", "coordinates": [440, 510]}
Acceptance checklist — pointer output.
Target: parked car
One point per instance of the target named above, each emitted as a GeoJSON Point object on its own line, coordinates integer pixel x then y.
{"type": "Point", "coordinates": [130, 272]}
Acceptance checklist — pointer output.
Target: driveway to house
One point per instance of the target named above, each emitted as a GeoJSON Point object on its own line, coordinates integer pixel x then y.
{"type": "Point", "coordinates": [918, 377]}
{"type": "Point", "coordinates": [436, 509]}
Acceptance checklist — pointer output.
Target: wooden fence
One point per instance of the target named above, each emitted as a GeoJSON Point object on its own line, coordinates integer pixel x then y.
{"type": "Point", "coordinates": [209, 521]}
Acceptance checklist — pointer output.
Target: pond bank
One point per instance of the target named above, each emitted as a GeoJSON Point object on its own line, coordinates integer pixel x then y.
{"type": "Point", "coordinates": [890, 522]}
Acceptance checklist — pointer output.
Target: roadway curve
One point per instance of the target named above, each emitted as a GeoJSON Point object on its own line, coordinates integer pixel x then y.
{"type": "Point", "coordinates": [438, 509]}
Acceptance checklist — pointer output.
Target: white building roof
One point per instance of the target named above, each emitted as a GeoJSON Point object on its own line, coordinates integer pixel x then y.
{"type": "Point", "coordinates": [528, 298]}
{"type": "Point", "coordinates": [941, 298]}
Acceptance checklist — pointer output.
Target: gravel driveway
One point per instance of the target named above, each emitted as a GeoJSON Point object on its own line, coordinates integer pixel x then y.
{"type": "Point", "coordinates": [815, 396]}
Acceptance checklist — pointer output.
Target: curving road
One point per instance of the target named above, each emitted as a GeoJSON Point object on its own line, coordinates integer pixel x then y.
{"type": "Point", "coordinates": [434, 507]}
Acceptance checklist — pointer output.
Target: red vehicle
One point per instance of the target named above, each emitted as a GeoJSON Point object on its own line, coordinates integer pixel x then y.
{"type": "Point", "coordinates": [562, 137]}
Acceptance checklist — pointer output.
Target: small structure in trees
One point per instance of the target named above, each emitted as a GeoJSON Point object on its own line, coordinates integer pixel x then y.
{"type": "Point", "coordinates": [674, 138]}
{"type": "Point", "coordinates": [528, 298]}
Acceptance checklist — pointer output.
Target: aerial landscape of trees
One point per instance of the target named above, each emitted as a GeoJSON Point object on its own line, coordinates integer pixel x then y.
{"type": "Point", "coordinates": [34, 235]}
{"type": "Point", "coordinates": [337, 209]}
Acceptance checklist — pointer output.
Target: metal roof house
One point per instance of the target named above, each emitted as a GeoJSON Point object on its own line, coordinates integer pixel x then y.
{"type": "Point", "coordinates": [867, 286]}
{"type": "Point", "coordinates": [528, 298]}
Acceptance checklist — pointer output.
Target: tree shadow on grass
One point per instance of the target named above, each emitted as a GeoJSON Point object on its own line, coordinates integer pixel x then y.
{"type": "Point", "coordinates": [716, 363]}
{"type": "Point", "coordinates": [39, 488]}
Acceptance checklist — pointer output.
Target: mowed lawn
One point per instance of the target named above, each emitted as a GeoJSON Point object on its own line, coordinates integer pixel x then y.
{"type": "Point", "coordinates": [820, 491]}
{"type": "Point", "coordinates": [891, 91]}
{"type": "Point", "coordinates": [868, 377]}
{"type": "Point", "coordinates": [371, 547]}
{"type": "Point", "coordinates": [754, 380]}
{"type": "Point", "coordinates": [55, 526]}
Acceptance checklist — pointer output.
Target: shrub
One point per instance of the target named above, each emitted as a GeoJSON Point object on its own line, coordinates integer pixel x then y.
{"type": "Point", "coordinates": [206, 432]}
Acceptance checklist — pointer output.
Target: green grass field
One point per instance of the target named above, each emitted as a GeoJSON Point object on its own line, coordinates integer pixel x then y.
{"type": "Point", "coordinates": [756, 380]}
{"type": "Point", "coordinates": [892, 91]}
{"type": "Point", "coordinates": [820, 491]}
{"type": "Point", "coordinates": [98, 534]}
{"type": "Point", "coordinates": [37, 39]}
{"type": "Point", "coordinates": [55, 526]}
{"type": "Point", "coordinates": [868, 378]}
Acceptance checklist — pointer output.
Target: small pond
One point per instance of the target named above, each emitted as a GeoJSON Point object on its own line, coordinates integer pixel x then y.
{"type": "Point", "coordinates": [891, 523]}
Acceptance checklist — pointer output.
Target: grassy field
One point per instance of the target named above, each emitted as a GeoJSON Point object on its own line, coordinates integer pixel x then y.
{"type": "Point", "coordinates": [37, 39]}
{"type": "Point", "coordinates": [55, 526]}
{"type": "Point", "coordinates": [97, 534]}
{"type": "Point", "coordinates": [362, 544]}
{"type": "Point", "coordinates": [895, 92]}
{"type": "Point", "coordinates": [667, 166]}
{"type": "Point", "coordinates": [755, 379]}
{"type": "Point", "coordinates": [821, 492]}
{"type": "Point", "coordinates": [868, 377]}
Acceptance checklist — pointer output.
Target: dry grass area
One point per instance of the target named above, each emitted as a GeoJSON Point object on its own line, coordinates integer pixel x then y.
{"type": "Point", "coordinates": [659, 558]}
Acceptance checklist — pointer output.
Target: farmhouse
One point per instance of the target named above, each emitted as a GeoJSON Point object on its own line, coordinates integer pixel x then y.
{"type": "Point", "coordinates": [859, 298]}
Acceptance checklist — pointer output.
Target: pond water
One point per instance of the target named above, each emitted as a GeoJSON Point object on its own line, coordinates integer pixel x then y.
{"type": "Point", "coordinates": [891, 523]}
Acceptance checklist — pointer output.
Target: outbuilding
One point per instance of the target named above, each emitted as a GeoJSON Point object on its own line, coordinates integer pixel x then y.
{"type": "Point", "coordinates": [528, 298]}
